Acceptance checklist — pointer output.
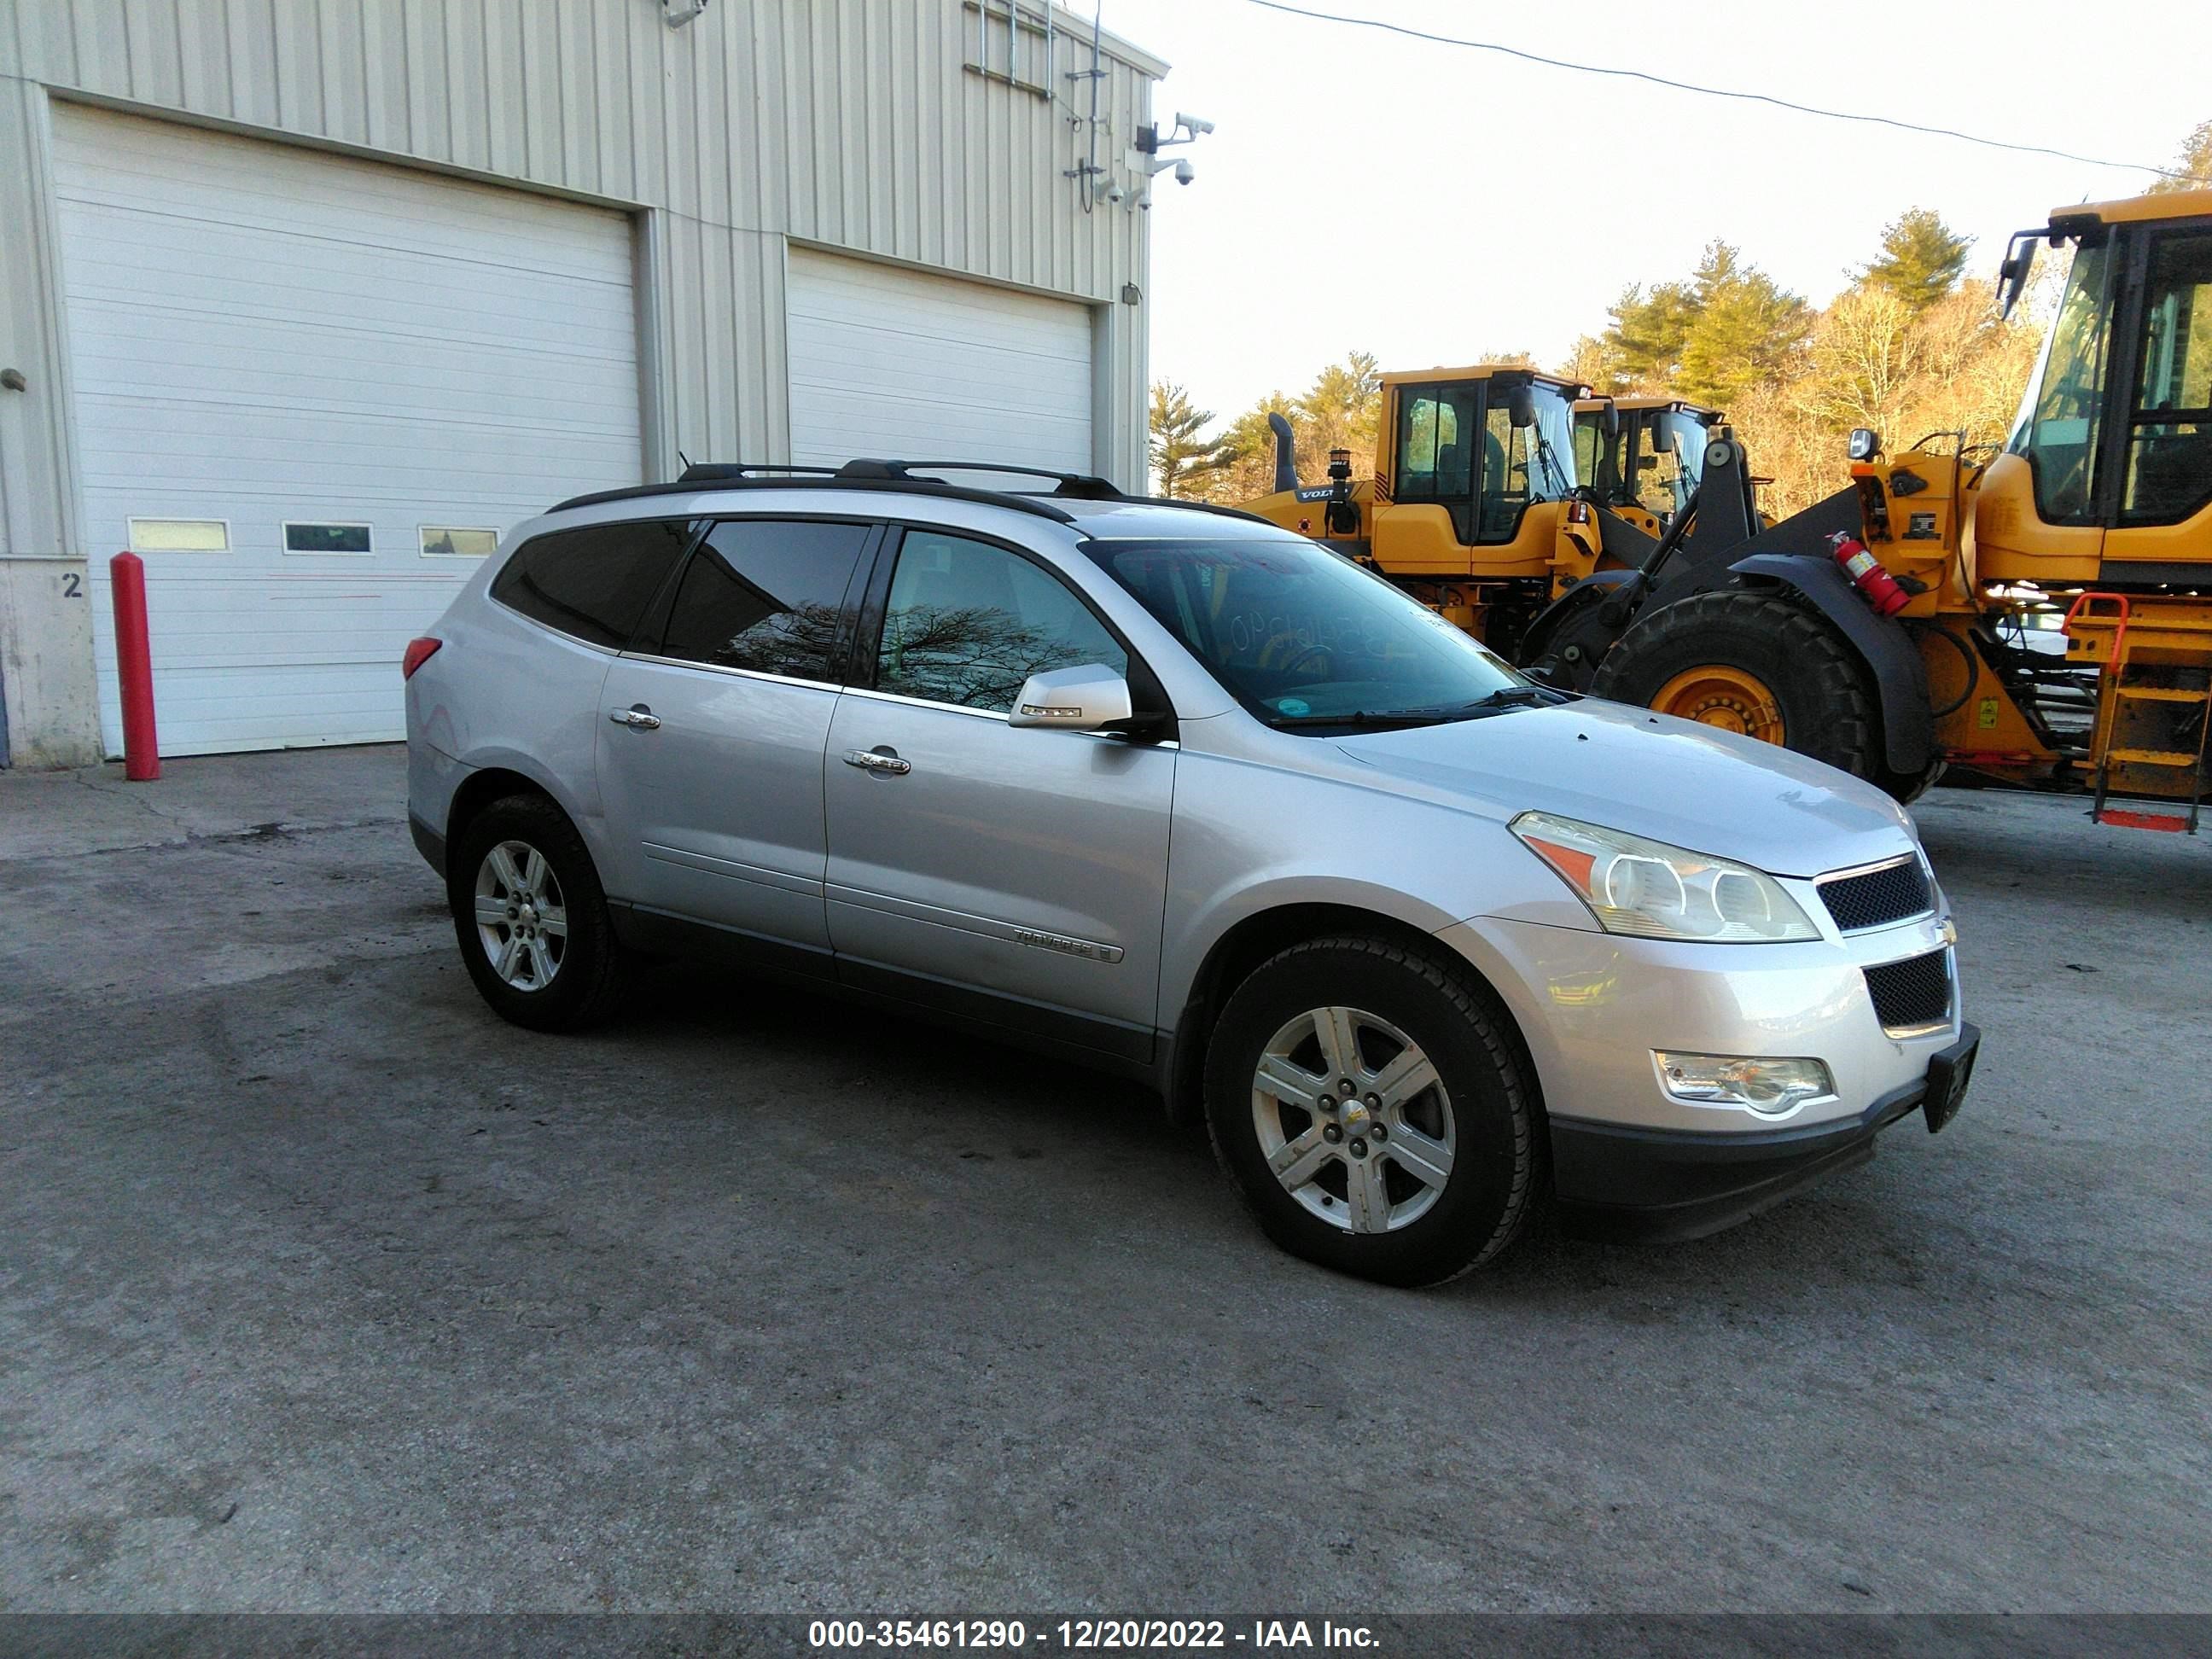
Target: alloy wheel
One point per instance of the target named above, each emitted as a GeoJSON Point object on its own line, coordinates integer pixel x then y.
{"type": "Point", "coordinates": [1353, 1119]}
{"type": "Point", "coordinates": [520, 915]}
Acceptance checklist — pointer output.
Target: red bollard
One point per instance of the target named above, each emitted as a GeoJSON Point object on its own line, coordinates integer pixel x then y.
{"type": "Point", "coordinates": [134, 668]}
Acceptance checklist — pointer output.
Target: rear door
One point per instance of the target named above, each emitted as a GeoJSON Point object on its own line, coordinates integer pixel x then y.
{"type": "Point", "coordinates": [1018, 875]}
{"type": "Point", "coordinates": [714, 725]}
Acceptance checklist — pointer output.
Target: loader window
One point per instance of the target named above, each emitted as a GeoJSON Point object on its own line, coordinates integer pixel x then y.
{"type": "Point", "coordinates": [1589, 447]}
{"type": "Point", "coordinates": [2059, 421]}
{"type": "Point", "coordinates": [1436, 433]}
{"type": "Point", "coordinates": [1678, 444]}
{"type": "Point", "coordinates": [2169, 466]}
{"type": "Point", "coordinates": [1522, 465]}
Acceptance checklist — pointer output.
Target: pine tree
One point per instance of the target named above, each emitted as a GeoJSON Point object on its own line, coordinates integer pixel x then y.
{"type": "Point", "coordinates": [1922, 259]}
{"type": "Point", "coordinates": [1339, 409]}
{"type": "Point", "coordinates": [2194, 164]}
{"type": "Point", "coordinates": [1644, 340]}
{"type": "Point", "coordinates": [1181, 459]}
{"type": "Point", "coordinates": [1745, 328]}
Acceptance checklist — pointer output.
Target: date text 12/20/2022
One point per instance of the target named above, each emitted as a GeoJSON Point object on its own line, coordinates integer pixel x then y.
{"type": "Point", "coordinates": [1082, 1635]}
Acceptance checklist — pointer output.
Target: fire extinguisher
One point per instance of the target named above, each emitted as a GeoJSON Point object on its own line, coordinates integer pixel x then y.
{"type": "Point", "coordinates": [1866, 571]}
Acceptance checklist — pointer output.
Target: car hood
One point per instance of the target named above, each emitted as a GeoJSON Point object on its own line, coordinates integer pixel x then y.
{"type": "Point", "coordinates": [1652, 775]}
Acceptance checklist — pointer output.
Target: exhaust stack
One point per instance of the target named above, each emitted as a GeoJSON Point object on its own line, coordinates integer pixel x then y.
{"type": "Point", "coordinates": [1286, 463]}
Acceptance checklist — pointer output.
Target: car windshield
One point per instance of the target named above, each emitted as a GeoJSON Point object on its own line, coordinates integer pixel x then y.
{"type": "Point", "coordinates": [1302, 637]}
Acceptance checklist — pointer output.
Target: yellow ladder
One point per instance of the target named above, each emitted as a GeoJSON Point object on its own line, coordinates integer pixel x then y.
{"type": "Point", "coordinates": [2137, 695]}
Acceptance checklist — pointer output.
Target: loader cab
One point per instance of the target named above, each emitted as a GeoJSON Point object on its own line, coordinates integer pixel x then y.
{"type": "Point", "coordinates": [1643, 456]}
{"type": "Point", "coordinates": [1481, 445]}
{"type": "Point", "coordinates": [2107, 475]}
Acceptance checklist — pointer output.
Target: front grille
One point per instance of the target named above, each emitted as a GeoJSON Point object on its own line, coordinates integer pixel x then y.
{"type": "Point", "coordinates": [1914, 992]}
{"type": "Point", "coordinates": [1877, 897]}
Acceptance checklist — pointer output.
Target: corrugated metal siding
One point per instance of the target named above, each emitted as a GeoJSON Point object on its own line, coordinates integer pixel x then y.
{"type": "Point", "coordinates": [849, 124]}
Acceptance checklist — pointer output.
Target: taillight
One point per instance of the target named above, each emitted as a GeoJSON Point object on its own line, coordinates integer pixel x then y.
{"type": "Point", "coordinates": [418, 653]}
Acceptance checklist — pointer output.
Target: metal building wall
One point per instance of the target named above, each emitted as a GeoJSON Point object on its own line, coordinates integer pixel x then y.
{"type": "Point", "coordinates": [849, 124]}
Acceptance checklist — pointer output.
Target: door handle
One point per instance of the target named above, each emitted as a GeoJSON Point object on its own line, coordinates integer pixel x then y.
{"type": "Point", "coordinates": [637, 717]}
{"type": "Point", "coordinates": [878, 760]}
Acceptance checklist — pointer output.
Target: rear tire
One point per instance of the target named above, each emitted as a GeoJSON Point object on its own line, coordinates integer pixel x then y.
{"type": "Point", "coordinates": [1428, 1166]}
{"type": "Point", "coordinates": [532, 918]}
{"type": "Point", "coordinates": [1817, 685]}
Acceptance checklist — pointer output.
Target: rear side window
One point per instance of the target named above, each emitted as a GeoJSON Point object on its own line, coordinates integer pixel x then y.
{"type": "Point", "coordinates": [766, 596]}
{"type": "Point", "coordinates": [594, 582]}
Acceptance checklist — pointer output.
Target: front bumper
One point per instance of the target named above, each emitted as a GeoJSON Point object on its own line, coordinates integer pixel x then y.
{"type": "Point", "coordinates": [1618, 1183]}
{"type": "Point", "coordinates": [1594, 1007]}
{"type": "Point", "coordinates": [1629, 1159]}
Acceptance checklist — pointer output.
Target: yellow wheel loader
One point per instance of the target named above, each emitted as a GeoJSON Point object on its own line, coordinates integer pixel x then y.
{"type": "Point", "coordinates": [1476, 506]}
{"type": "Point", "coordinates": [2041, 615]}
{"type": "Point", "coordinates": [1473, 504]}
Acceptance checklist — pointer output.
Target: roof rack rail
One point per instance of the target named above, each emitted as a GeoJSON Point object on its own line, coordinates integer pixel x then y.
{"type": "Point", "coordinates": [901, 477]}
{"type": "Point", "coordinates": [704, 475]}
{"type": "Point", "coordinates": [1214, 508]}
{"type": "Point", "coordinates": [1083, 486]}
{"type": "Point", "coordinates": [701, 471]}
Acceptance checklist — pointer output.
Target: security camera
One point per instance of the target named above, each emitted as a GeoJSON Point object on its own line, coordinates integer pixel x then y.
{"type": "Point", "coordinates": [1116, 194]}
{"type": "Point", "coordinates": [678, 13]}
{"type": "Point", "coordinates": [1195, 122]}
{"type": "Point", "coordinates": [1184, 173]}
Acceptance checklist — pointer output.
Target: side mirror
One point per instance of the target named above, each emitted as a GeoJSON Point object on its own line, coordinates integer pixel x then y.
{"type": "Point", "coordinates": [1866, 443]}
{"type": "Point", "coordinates": [1608, 420]}
{"type": "Point", "coordinates": [1520, 406]}
{"type": "Point", "coordinates": [2013, 274]}
{"type": "Point", "coordinates": [1087, 698]}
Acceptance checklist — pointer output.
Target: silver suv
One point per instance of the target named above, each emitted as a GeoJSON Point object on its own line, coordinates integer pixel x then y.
{"type": "Point", "coordinates": [1177, 794]}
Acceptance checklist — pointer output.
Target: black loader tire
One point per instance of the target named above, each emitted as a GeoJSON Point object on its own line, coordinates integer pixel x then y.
{"type": "Point", "coordinates": [1818, 683]}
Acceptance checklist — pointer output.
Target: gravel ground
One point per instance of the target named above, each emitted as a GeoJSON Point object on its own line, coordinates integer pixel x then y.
{"type": "Point", "coordinates": [322, 1288]}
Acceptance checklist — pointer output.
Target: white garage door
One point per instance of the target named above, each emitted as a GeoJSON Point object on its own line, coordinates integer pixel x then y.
{"type": "Point", "coordinates": [306, 388]}
{"type": "Point", "coordinates": [887, 362]}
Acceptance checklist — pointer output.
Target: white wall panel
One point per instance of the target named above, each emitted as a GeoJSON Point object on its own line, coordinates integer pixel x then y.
{"type": "Point", "coordinates": [888, 362]}
{"type": "Point", "coordinates": [261, 333]}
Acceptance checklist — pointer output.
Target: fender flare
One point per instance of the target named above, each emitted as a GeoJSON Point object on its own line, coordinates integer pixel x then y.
{"type": "Point", "coordinates": [1900, 678]}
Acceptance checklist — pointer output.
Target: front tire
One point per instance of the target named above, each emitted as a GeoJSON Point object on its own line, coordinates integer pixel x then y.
{"type": "Point", "coordinates": [532, 918]}
{"type": "Point", "coordinates": [1375, 1111]}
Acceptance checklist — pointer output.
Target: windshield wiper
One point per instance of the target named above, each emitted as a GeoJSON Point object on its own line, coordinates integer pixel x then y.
{"type": "Point", "coordinates": [1494, 702]}
{"type": "Point", "coordinates": [1363, 717]}
{"type": "Point", "coordinates": [1517, 696]}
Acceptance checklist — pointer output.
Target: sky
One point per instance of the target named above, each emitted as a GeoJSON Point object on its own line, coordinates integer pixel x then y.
{"type": "Point", "coordinates": [1435, 205]}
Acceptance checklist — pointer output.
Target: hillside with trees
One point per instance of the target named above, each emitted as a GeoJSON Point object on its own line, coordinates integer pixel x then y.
{"type": "Point", "coordinates": [1913, 345]}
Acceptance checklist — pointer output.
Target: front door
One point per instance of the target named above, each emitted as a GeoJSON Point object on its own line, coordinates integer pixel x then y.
{"type": "Point", "coordinates": [1017, 873]}
{"type": "Point", "coordinates": [713, 730]}
{"type": "Point", "coordinates": [2160, 531]}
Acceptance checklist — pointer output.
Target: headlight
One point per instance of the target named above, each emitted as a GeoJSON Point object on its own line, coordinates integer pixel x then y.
{"type": "Point", "coordinates": [1657, 891]}
{"type": "Point", "coordinates": [1773, 1088]}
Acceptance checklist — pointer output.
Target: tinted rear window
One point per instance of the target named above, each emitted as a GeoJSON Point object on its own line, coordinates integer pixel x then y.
{"type": "Point", "coordinates": [766, 596]}
{"type": "Point", "coordinates": [594, 582]}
